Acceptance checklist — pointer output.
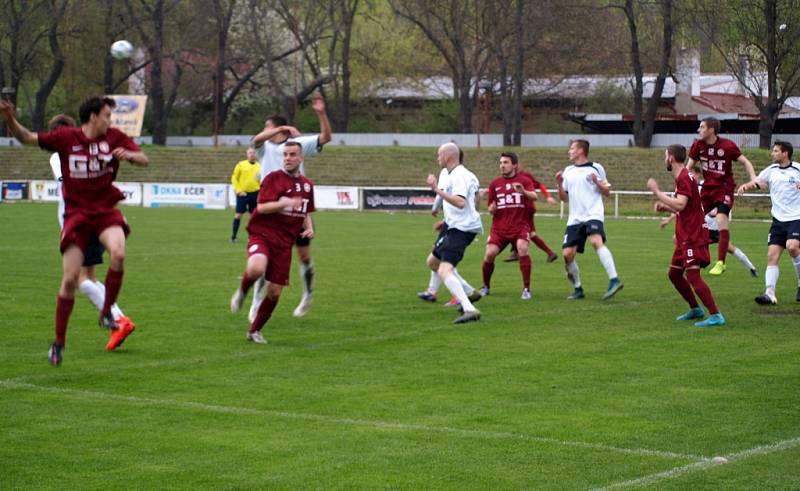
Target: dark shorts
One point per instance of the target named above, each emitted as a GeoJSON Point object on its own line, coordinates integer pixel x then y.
{"type": "Point", "coordinates": [502, 240]}
{"type": "Point", "coordinates": [279, 259]}
{"type": "Point", "coordinates": [713, 236]}
{"type": "Point", "coordinates": [247, 203]}
{"type": "Point", "coordinates": [781, 232]}
{"type": "Point", "coordinates": [687, 256]}
{"type": "Point", "coordinates": [451, 245]}
{"type": "Point", "coordinates": [577, 234]}
{"type": "Point", "coordinates": [720, 198]}
{"type": "Point", "coordinates": [80, 227]}
{"type": "Point", "coordinates": [302, 241]}
{"type": "Point", "coordinates": [93, 255]}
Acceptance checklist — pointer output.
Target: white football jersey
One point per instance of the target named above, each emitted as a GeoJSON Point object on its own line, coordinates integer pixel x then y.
{"type": "Point", "coordinates": [270, 155]}
{"type": "Point", "coordinates": [585, 200]}
{"type": "Point", "coordinates": [55, 166]}
{"type": "Point", "coordinates": [462, 182]}
{"type": "Point", "coordinates": [783, 192]}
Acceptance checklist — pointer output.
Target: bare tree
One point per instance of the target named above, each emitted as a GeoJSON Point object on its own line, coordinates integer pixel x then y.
{"type": "Point", "coordinates": [55, 15]}
{"type": "Point", "coordinates": [456, 29]}
{"type": "Point", "coordinates": [758, 41]}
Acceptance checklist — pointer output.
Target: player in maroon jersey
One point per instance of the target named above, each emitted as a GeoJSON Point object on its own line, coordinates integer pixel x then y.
{"type": "Point", "coordinates": [508, 196]}
{"type": "Point", "coordinates": [716, 154]}
{"type": "Point", "coordinates": [90, 157]}
{"type": "Point", "coordinates": [284, 202]}
{"type": "Point", "coordinates": [540, 243]}
{"type": "Point", "coordinates": [691, 239]}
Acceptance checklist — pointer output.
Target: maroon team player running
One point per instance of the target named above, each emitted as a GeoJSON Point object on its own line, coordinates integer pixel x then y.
{"type": "Point", "coordinates": [717, 155]}
{"type": "Point", "coordinates": [284, 202]}
{"type": "Point", "coordinates": [508, 195]}
{"type": "Point", "coordinates": [90, 157]}
{"type": "Point", "coordinates": [691, 239]}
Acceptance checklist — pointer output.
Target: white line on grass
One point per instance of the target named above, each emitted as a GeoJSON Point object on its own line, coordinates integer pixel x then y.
{"type": "Point", "coordinates": [389, 425]}
{"type": "Point", "coordinates": [706, 463]}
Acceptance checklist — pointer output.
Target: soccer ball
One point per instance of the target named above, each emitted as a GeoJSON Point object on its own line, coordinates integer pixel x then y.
{"type": "Point", "coordinates": [122, 50]}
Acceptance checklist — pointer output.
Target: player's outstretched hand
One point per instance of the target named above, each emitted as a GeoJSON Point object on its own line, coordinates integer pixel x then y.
{"type": "Point", "coordinates": [559, 177]}
{"type": "Point", "coordinates": [551, 200]}
{"type": "Point", "coordinates": [293, 132]}
{"type": "Point", "coordinates": [438, 225]}
{"type": "Point", "coordinates": [121, 153]}
{"type": "Point", "coordinates": [652, 185]}
{"type": "Point", "coordinates": [6, 110]}
{"type": "Point", "coordinates": [318, 103]}
{"type": "Point", "coordinates": [432, 181]}
{"type": "Point", "coordinates": [307, 233]}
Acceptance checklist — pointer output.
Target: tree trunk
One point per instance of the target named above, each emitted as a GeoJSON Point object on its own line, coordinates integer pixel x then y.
{"type": "Point", "coordinates": [54, 17]}
{"type": "Point", "coordinates": [156, 50]}
{"type": "Point", "coordinates": [768, 114]}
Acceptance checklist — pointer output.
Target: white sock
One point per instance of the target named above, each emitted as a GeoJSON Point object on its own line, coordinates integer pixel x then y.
{"type": "Point", "coordinates": [116, 312]}
{"type": "Point", "coordinates": [468, 289]}
{"type": "Point", "coordinates": [771, 279]}
{"type": "Point", "coordinates": [307, 277]}
{"type": "Point", "coordinates": [572, 268]}
{"type": "Point", "coordinates": [796, 262]}
{"type": "Point", "coordinates": [433, 284]}
{"type": "Point", "coordinates": [607, 260]}
{"type": "Point", "coordinates": [95, 292]}
{"type": "Point", "coordinates": [742, 257]}
{"type": "Point", "coordinates": [455, 287]}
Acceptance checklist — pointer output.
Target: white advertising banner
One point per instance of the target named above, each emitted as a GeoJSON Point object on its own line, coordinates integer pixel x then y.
{"type": "Point", "coordinates": [51, 191]}
{"type": "Point", "coordinates": [158, 194]}
{"type": "Point", "coordinates": [231, 196]}
{"type": "Point", "coordinates": [336, 197]}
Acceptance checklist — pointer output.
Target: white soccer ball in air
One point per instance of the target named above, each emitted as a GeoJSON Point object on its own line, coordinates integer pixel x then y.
{"type": "Point", "coordinates": [122, 50]}
{"type": "Point", "coordinates": [782, 27]}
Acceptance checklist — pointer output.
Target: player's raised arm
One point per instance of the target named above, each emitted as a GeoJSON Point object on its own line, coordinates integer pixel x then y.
{"type": "Point", "coordinates": [748, 166]}
{"type": "Point", "coordinates": [677, 203]}
{"type": "Point", "coordinates": [752, 184]}
{"type": "Point", "coordinates": [22, 134]}
{"type": "Point", "coordinates": [138, 158]}
{"type": "Point", "coordinates": [318, 104]}
{"type": "Point", "coordinates": [268, 133]}
{"type": "Point", "coordinates": [562, 194]}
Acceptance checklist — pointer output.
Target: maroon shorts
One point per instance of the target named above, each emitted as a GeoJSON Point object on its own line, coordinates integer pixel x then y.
{"type": "Point", "coordinates": [502, 240]}
{"type": "Point", "coordinates": [80, 226]}
{"type": "Point", "coordinates": [279, 259]}
{"type": "Point", "coordinates": [713, 197]}
{"type": "Point", "coordinates": [687, 256]}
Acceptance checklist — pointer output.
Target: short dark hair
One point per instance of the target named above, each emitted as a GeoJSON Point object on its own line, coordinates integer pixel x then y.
{"type": "Point", "coordinates": [584, 144]}
{"type": "Point", "coordinates": [460, 156]}
{"type": "Point", "coordinates": [712, 122]}
{"type": "Point", "coordinates": [785, 147]}
{"type": "Point", "coordinates": [292, 143]}
{"type": "Point", "coordinates": [277, 120]}
{"type": "Point", "coordinates": [93, 105]}
{"type": "Point", "coordinates": [510, 155]}
{"type": "Point", "coordinates": [60, 121]}
{"type": "Point", "coordinates": [678, 152]}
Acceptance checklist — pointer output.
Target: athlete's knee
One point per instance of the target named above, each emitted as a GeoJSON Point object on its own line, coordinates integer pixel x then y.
{"type": "Point", "coordinates": [274, 291]}
{"type": "Point", "coordinates": [793, 247]}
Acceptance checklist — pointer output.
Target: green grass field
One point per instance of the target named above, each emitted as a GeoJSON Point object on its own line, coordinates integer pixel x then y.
{"type": "Point", "coordinates": [375, 389]}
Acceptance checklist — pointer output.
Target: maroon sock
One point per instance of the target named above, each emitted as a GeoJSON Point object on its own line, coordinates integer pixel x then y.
{"type": "Point", "coordinates": [525, 269]}
{"type": "Point", "coordinates": [63, 311]}
{"type": "Point", "coordinates": [488, 269]}
{"type": "Point", "coordinates": [542, 245]}
{"type": "Point", "coordinates": [702, 290]}
{"type": "Point", "coordinates": [263, 315]}
{"type": "Point", "coordinates": [724, 243]}
{"type": "Point", "coordinates": [683, 286]}
{"type": "Point", "coordinates": [113, 285]}
{"type": "Point", "coordinates": [247, 282]}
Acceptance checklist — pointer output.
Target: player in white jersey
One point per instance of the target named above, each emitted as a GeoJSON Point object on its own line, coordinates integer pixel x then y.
{"type": "Point", "coordinates": [429, 295]}
{"type": "Point", "coordinates": [713, 228]}
{"type": "Point", "coordinates": [463, 223]}
{"type": "Point", "coordinates": [88, 284]}
{"type": "Point", "coordinates": [783, 180]}
{"type": "Point", "coordinates": [583, 184]}
{"type": "Point", "coordinates": [269, 151]}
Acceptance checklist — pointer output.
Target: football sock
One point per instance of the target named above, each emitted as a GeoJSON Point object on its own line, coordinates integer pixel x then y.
{"type": "Point", "coordinates": [607, 260]}
{"type": "Point", "coordinates": [236, 222]}
{"type": "Point", "coordinates": [724, 242]}
{"type": "Point", "coordinates": [263, 315]}
{"type": "Point", "coordinates": [702, 290]}
{"type": "Point", "coordinates": [572, 270]}
{"type": "Point", "coordinates": [771, 279]}
{"type": "Point", "coordinates": [452, 284]}
{"type": "Point", "coordinates": [683, 286]}
{"type": "Point", "coordinates": [113, 285]}
{"type": "Point", "coordinates": [246, 283]}
{"type": "Point", "coordinates": [63, 311]}
{"type": "Point", "coordinates": [307, 275]}
{"type": "Point", "coordinates": [796, 262]}
{"type": "Point", "coordinates": [742, 257]}
{"type": "Point", "coordinates": [468, 289]}
{"type": "Point", "coordinates": [435, 281]}
{"type": "Point", "coordinates": [488, 269]}
{"type": "Point", "coordinates": [542, 245]}
{"type": "Point", "coordinates": [93, 292]}
{"type": "Point", "coordinates": [525, 269]}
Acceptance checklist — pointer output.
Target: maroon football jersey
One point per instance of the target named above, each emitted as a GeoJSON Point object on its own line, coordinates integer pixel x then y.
{"type": "Point", "coordinates": [87, 166]}
{"type": "Point", "coordinates": [282, 227]}
{"type": "Point", "coordinates": [510, 216]}
{"type": "Point", "coordinates": [717, 161]}
{"type": "Point", "coordinates": [690, 226]}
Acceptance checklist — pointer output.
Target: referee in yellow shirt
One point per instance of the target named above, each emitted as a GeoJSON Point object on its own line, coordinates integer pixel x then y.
{"type": "Point", "coordinates": [246, 185]}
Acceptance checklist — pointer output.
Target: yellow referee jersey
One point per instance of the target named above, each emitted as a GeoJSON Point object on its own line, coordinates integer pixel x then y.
{"type": "Point", "coordinates": [245, 177]}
